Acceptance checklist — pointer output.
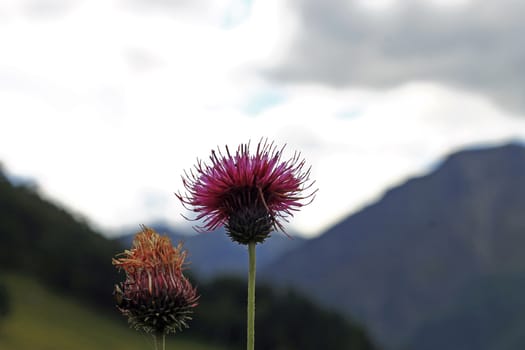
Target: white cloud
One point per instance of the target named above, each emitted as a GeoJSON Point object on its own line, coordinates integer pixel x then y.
{"type": "Point", "coordinates": [470, 44]}
{"type": "Point", "coordinates": [106, 106]}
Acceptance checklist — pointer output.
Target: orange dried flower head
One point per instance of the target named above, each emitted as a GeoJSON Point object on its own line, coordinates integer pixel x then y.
{"type": "Point", "coordinates": [156, 296]}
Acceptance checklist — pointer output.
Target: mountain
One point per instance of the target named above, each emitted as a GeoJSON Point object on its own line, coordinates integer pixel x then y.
{"type": "Point", "coordinates": [487, 315]}
{"type": "Point", "coordinates": [43, 240]}
{"type": "Point", "coordinates": [213, 253]}
{"type": "Point", "coordinates": [430, 262]}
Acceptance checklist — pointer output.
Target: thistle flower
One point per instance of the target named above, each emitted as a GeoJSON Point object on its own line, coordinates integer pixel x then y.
{"type": "Point", "coordinates": [156, 296]}
{"type": "Point", "coordinates": [250, 194]}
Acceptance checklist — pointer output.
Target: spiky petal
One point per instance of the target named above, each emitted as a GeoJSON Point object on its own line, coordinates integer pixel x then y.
{"type": "Point", "coordinates": [250, 194]}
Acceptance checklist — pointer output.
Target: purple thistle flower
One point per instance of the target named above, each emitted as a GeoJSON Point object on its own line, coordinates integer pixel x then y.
{"type": "Point", "coordinates": [250, 194]}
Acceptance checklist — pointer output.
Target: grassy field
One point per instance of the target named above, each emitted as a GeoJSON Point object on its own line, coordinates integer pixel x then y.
{"type": "Point", "coordinates": [41, 320]}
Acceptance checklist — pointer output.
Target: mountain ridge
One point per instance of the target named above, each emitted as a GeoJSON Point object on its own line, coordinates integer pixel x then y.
{"type": "Point", "coordinates": [399, 261]}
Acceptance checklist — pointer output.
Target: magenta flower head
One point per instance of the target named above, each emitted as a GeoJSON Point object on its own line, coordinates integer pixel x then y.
{"type": "Point", "coordinates": [248, 194]}
{"type": "Point", "coordinates": [156, 297]}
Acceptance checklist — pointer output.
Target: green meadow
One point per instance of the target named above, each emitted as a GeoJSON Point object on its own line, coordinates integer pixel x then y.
{"type": "Point", "coordinates": [43, 320]}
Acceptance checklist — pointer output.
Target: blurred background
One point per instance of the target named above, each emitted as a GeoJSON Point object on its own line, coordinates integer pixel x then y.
{"type": "Point", "coordinates": [411, 114]}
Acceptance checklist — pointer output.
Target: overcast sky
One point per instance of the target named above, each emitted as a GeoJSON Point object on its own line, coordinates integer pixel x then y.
{"type": "Point", "coordinates": [104, 103]}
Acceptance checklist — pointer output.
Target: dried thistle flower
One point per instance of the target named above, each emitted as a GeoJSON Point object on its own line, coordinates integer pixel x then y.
{"type": "Point", "coordinates": [250, 194]}
{"type": "Point", "coordinates": [156, 297]}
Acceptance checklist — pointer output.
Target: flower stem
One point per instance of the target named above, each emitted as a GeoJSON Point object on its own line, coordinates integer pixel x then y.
{"type": "Point", "coordinates": [156, 341]}
{"type": "Point", "coordinates": [163, 341]}
{"type": "Point", "coordinates": [251, 296]}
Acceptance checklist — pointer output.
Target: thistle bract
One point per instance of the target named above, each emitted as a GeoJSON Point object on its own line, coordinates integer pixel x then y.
{"type": "Point", "coordinates": [156, 296]}
{"type": "Point", "coordinates": [249, 194]}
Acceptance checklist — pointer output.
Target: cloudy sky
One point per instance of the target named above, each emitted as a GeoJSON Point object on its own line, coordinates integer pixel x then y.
{"type": "Point", "coordinates": [104, 103]}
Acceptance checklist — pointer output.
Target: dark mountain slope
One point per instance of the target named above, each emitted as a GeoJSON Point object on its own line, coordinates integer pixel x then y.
{"type": "Point", "coordinates": [489, 314]}
{"type": "Point", "coordinates": [400, 262]}
{"type": "Point", "coordinates": [42, 239]}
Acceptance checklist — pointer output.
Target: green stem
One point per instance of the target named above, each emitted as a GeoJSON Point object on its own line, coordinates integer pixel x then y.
{"type": "Point", "coordinates": [251, 296]}
{"type": "Point", "coordinates": [163, 341]}
{"type": "Point", "coordinates": [155, 341]}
